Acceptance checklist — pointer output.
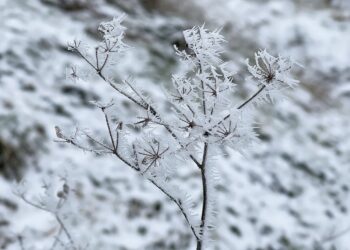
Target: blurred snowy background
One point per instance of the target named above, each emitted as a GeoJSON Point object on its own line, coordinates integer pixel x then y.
{"type": "Point", "coordinates": [292, 191]}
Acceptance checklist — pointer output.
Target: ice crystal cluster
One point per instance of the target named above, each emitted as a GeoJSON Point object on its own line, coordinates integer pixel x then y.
{"type": "Point", "coordinates": [203, 119]}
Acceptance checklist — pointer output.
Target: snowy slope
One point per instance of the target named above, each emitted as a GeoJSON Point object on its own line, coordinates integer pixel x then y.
{"type": "Point", "coordinates": [290, 191]}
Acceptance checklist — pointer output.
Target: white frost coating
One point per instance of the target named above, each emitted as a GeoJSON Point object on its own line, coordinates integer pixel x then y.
{"type": "Point", "coordinates": [213, 179]}
{"type": "Point", "coordinates": [113, 30]}
{"type": "Point", "coordinates": [206, 45]}
{"type": "Point", "coordinates": [204, 118]}
{"type": "Point", "coordinates": [272, 71]}
{"type": "Point", "coordinates": [273, 74]}
{"type": "Point", "coordinates": [58, 199]}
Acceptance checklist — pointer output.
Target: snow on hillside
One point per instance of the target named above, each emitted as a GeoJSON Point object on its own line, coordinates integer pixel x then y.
{"type": "Point", "coordinates": [290, 191]}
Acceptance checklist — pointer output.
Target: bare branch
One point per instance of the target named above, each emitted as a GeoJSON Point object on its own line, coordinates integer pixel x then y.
{"type": "Point", "coordinates": [96, 55]}
{"type": "Point", "coordinates": [104, 63]}
{"type": "Point", "coordinates": [203, 90]}
{"type": "Point", "coordinates": [57, 239]}
{"type": "Point", "coordinates": [109, 130]}
{"type": "Point", "coordinates": [252, 97]}
{"type": "Point", "coordinates": [179, 204]}
{"type": "Point", "coordinates": [38, 206]}
{"type": "Point", "coordinates": [85, 58]}
{"type": "Point", "coordinates": [65, 230]}
{"type": "Point", "coordinates": [98, 142]}
{"type": "Point", "coordinates": [86, 149]}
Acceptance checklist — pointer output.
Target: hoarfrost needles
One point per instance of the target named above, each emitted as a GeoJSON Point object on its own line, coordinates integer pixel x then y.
{"type": "Point", "coordinates": [272, 74]}
{"type": "Point", "coordinates": [204, 117]}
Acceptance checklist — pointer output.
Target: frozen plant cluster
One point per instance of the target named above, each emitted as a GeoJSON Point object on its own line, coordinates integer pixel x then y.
{"type": "Point", "coordinates": [201, 120]}
{"type": "Point", "coordinates": [59, 197]}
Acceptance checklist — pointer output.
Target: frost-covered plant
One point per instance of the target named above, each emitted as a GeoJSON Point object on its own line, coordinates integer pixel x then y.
{"type": "Point", "coordinates": [57, 199]}
{"type": "Point", "coordinates": [202, 120]}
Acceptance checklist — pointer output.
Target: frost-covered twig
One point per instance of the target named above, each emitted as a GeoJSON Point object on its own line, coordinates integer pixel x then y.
{"type": "Point", "coordinates": [335, 235]}
{"type": "Point", "coordinates": [180, 204]}
{"type": "Point", "coordinates": [203, 118]}
{"type": "Point", "coordinates": [141, 103]}
{"type": "Point", "coordinates": [54, 210]}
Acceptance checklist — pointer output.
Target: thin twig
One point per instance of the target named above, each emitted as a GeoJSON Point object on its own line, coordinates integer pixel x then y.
{"type": "Point", "coordinates": [239, 107]}
{"type": "Point", "coordinates": [91, 150]}
{"type": "Point", "coordinates": [252, 97]}
{"type": "Point", "coordinates": [57, 239]}
{"type": "Point", "coordinates": [96, 55]}
{"type": "Point", "coordinates": [22, 196]}
{"type": "Point", "coordinates": [97, 142]}
{"type": "Point", "coordinates": [203, 91]}
{"type": "Point", "coordinates": [65, 230]}
{"type": "Point", "coordinates": [104, 63]}
{"type": "Point", "coordinates": [84, 57]}
{"type": "Point", "coordinates": [336, 235]}
{"type": "Point", "coordinates": [178, 203]}
{"type": "Point", "coordinates": [136, 92]}
{"type": "Point", "coordinates": [55, 214]}
{"type": "Point", "coordinates": [109, 130]}
{"type": "Point", "coordinates": [202, 83]}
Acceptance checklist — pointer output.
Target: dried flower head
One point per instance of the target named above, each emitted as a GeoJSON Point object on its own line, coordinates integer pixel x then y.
{"type": "Point", "coordinates": [272, 72]}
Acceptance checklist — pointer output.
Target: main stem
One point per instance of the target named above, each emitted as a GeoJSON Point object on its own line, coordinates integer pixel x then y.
{"type": "Point", "coordinates": [203, 170]}
{"type": "Point", "coordinates": [205, 196]}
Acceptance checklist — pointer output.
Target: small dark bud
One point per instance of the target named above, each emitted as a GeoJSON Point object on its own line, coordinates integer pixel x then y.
{"type": "Point", "coordinates": [65, 188]}
{"type": "Point", "coordinates": [60, 194]}
{"type": "Point", "coordinates": [120, 126]}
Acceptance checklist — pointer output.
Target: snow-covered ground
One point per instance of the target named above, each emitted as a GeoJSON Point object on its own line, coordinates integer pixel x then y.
{"type": "Point", "coordinates": [289, 191]}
